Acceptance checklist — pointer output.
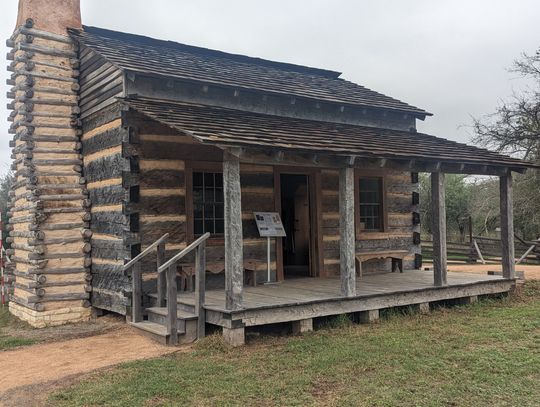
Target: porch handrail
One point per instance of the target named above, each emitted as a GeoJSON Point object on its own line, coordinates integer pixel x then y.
{"type": "Point", "coordinates": [145, 252]}
{"type": "Point", "coordinates": [182, 253]}
{"type": "Point", "coordinates": [134, 266]}
{"type": "Point", "coordinates": [171, 287]}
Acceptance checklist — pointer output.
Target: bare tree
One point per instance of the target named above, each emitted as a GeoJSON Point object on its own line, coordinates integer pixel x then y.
{"type": "Point", "coordinates": [514, 129]}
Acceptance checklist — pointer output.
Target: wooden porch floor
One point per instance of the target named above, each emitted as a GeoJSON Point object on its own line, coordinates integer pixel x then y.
{"type": "Point", "coordinates": [305, 291]}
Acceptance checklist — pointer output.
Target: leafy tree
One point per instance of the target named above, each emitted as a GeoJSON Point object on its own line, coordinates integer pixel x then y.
{"type": "Point", "coordinates": [458, 197]}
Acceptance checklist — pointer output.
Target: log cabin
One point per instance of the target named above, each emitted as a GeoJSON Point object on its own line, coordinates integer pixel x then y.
{"type": "Point", "coordinates": [140, 163]}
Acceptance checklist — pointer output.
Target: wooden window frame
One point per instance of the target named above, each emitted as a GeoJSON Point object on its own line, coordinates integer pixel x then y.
{"type": "Point", "coordinates": [384, 216]}
{"type": "Point", "coordinates": [189, 168]}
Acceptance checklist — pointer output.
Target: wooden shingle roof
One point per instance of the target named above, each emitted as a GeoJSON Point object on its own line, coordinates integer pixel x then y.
{"type": "Point", "coordinates": [228, 127]}
{"type": "Point", "coordinates": [170, 59]}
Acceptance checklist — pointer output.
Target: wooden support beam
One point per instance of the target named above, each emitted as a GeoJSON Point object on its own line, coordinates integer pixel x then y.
{"type": "Point", "coordinates": [346, 232]}
{"type": "Point", "coordinates": [234, 263]}
{"type": "Point", "coordinates": [438, 209]}
{"type": "Point", "coordinates": [507, 226]}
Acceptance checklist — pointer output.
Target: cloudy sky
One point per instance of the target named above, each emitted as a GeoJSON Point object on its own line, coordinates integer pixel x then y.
{"type": "Point", "coordinates": [448, 57]}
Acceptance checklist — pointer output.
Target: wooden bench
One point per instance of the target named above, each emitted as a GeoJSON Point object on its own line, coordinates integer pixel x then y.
{"type": "Point", "coordinates": [186, 272]}
{"type": "Point", "coordinates": [396, 256]}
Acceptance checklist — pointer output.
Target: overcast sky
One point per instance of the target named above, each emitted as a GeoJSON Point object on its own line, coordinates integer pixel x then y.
{"type": "Point", "coordinates": [448, 57]}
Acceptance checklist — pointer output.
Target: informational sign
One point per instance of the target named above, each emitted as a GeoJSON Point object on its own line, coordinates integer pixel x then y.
{"type": "Point", "coordinates": [269, 224]}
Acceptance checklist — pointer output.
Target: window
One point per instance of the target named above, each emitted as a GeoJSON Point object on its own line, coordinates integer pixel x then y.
{"type": "Point", "coordinates": [207, 203]}
{"type": "Point", "coordinates": [370, 202]}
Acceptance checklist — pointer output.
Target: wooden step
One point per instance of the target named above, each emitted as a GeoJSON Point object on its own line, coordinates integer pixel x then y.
{"type": "Point", "coordinates": [181, 304]}
{"type": "Point", "coordinates": [180, 314]}
{"type": "Point", "coordinates": [186, 322]}
{"type": "Point", "coordinates": [152, 330]}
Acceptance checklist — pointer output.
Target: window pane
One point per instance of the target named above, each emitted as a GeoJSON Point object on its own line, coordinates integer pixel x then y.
{"type": "Point", "coordinates": [370, 203]}
{"type": "Point", "coordinates": [197, 179]}
{"type": "Point", "coordinates": [208, 179]}
{"type": "Point", "coordinates": [198, 227]}
{"type": "Point", "coordinates": [219, 180]}
{"type": "Point", "coordinates": [219, 226]}
{"type": "Point", "coordinates": [197, 195]}
{"type": "Point", "coordinates": [207, 202]}
{"type": "Point", "coordinates": [198, 211]}
{"type": "Point", "coordinates": [219, 194]}
{"type": "Point", "coordinates": [209, 195]}
{"type": "Point", "coordinates": [219, 210]}
{"type": "Point", "coordinates": [208, 211]}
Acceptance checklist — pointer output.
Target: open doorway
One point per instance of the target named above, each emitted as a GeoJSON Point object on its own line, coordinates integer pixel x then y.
{"type": "Point", "coordinates": [295, 214]}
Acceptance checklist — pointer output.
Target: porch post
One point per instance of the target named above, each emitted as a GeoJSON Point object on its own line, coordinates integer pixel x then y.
{"type": "Point", "coordinates": [234, 259]}
{"type": "Point", "coordinates": [438, 211]}
{"type": "Point", "coordinates": [507, 226]}
{"type": "Point", "coordinates": [346, 232]}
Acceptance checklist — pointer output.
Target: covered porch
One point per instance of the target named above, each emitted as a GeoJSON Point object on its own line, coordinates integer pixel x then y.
{"type": "Point", "coordinates": [302, 299]}
{"type": "Point", "coordinates": [246, 139]}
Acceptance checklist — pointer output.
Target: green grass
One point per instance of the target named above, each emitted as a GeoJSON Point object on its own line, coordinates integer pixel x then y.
{"type": "Point", "coordinates": [7, 321]}
{"type": "Point", "coordinates": [487, 354]}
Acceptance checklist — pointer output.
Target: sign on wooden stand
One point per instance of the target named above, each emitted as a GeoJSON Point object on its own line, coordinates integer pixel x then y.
{"type": "Point", "coordinates": [269, 225]}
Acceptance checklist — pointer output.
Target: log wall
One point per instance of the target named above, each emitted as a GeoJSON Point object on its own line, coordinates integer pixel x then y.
{"type": "Point", "coordinates": [49, 208]}
{"type": "Point", "coordinates": [400, 233]}
{"type": "Point", "coordinates": [166, 159]}
{"type": "Point", "coordinates": [108, 170]}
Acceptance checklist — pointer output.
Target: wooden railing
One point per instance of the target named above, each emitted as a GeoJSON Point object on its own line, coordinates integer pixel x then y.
{"type": "Point", "coordinates": [488, 249]}
{"type": "Point", "coordinates": [169, 268]}
{"type": "Point", "coordinates": [134, 267]}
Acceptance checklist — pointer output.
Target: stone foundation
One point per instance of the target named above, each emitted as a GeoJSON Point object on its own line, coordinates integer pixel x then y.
{"type": "Point", "coordinates": [55, 317]}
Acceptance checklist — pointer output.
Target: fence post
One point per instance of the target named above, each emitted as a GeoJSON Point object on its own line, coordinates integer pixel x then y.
{"type": "Point", "coordinates": [161, 278]}
{"type": "Point", "coordinates": [136, 283]}
{"type": "Point", "coordinates": [200, 282]}
{"type": "Point", "coordinates": [172, 329]}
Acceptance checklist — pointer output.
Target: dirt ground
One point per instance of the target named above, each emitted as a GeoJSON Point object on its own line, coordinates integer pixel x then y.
{"type": "Point", "coordinates": [531, 272]}
{"type": "Point", "coordinates": [96, 326]}
{"type": "Point", "coordinates": [55, 361]}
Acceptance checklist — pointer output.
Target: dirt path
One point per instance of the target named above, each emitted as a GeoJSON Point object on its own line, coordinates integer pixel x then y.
{"type": "Point", "coordinates": [57, 360]}
{"type": "Point", "coordinates": [532, 272]}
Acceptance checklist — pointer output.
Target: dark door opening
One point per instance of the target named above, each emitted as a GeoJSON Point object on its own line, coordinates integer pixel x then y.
{"type": "Point", "coordinates": [295, 214]}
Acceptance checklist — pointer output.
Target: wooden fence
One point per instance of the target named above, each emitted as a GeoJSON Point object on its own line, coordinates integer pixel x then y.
{"type": "Point", "coordinates": [489, 248]}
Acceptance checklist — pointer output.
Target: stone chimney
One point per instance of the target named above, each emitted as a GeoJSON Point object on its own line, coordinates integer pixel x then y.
{"type": "Point", "coordinates": [49, 211]}
{"type": "Point", "coordinates": [53, 16]}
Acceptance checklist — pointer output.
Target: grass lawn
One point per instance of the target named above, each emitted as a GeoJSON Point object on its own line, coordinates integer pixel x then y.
{"type": "Point", "coordinates": [487, 354]}
{"type": "Point", "coordinates": [9, 321]}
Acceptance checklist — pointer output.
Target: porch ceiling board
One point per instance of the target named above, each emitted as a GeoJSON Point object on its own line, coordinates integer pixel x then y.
{"type": "Point", "coordinates": [234, 128]}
